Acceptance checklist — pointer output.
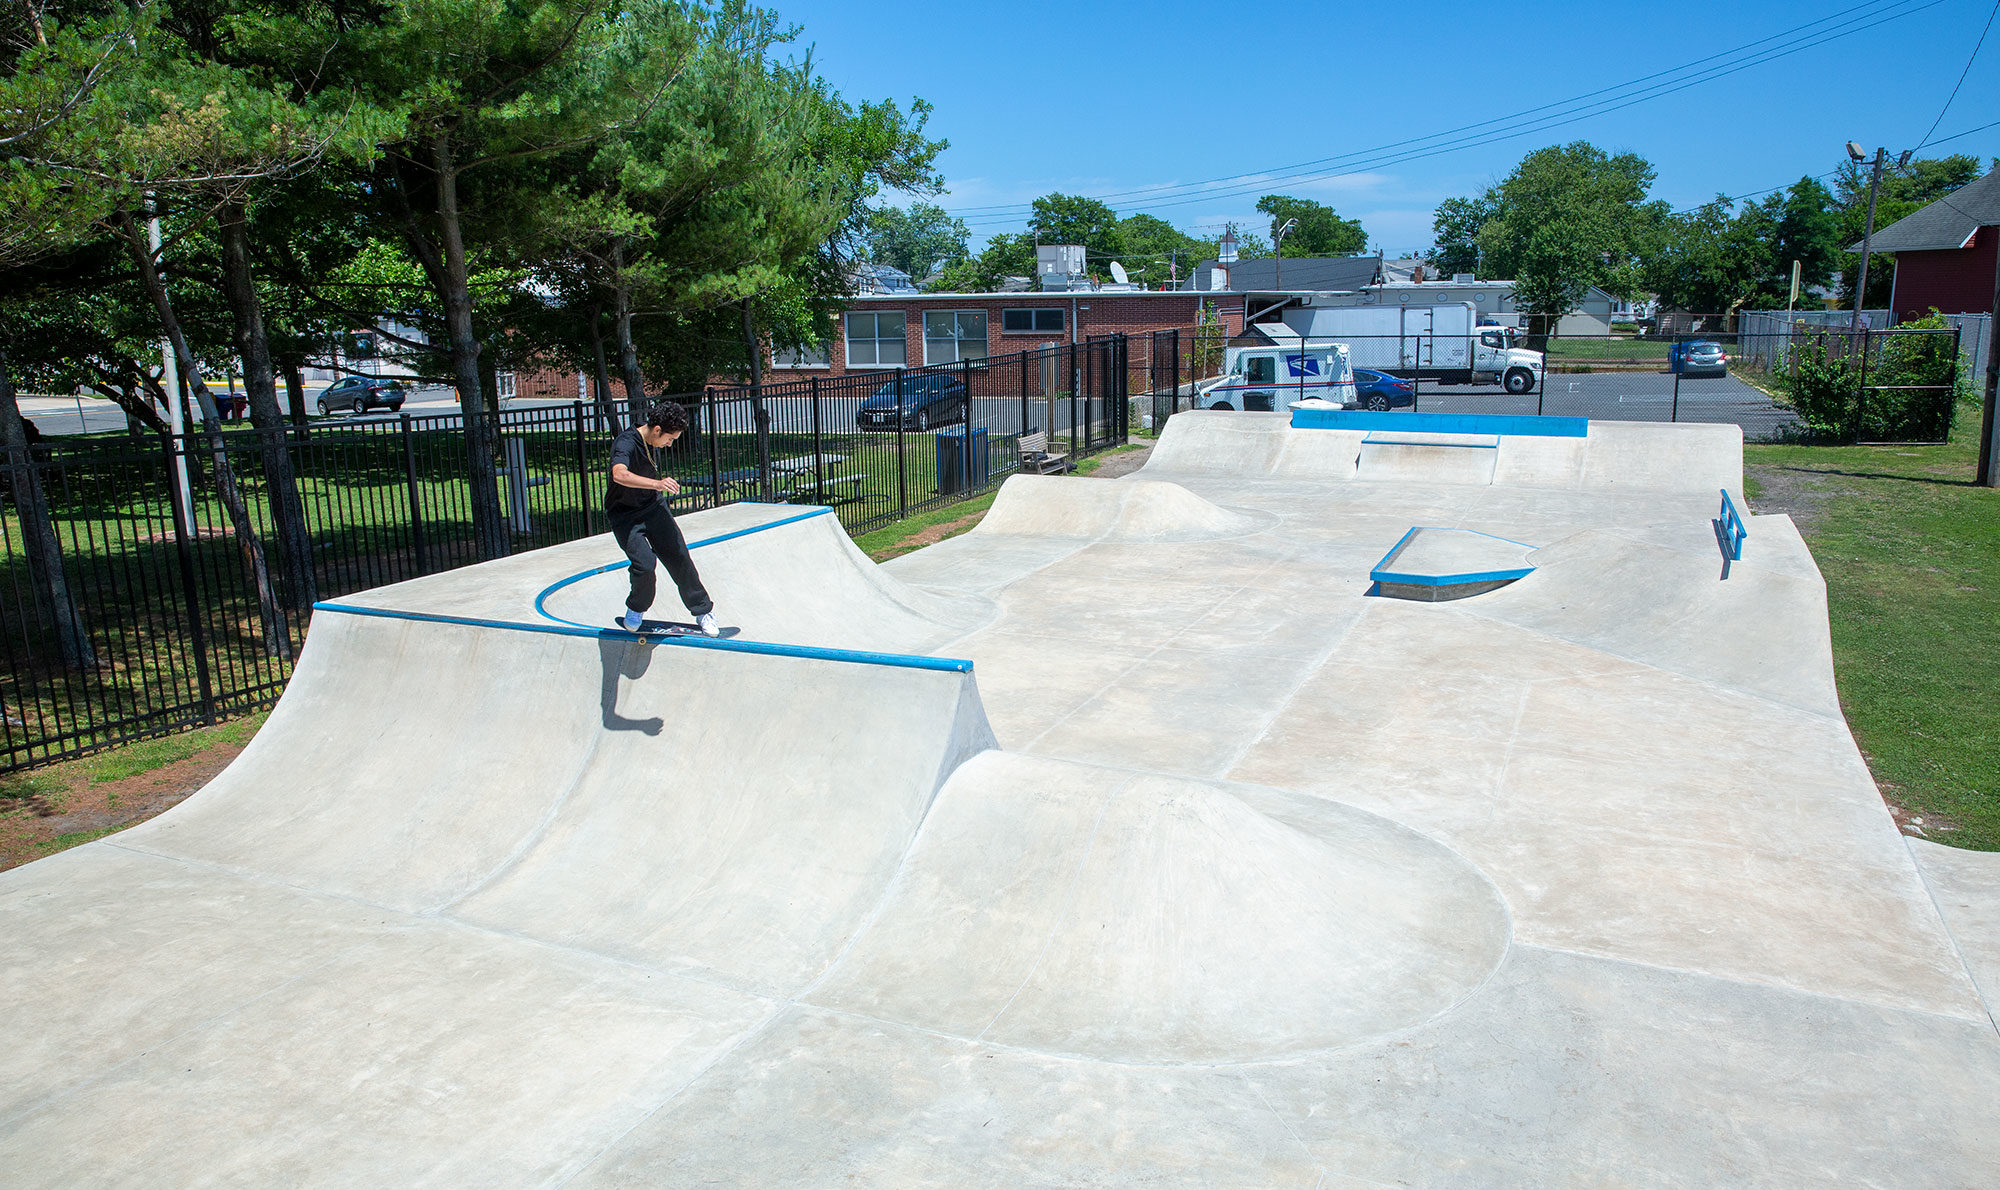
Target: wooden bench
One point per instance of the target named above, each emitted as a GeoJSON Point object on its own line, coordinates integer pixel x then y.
{"type": "Point", "coordinates": [1035, 456]}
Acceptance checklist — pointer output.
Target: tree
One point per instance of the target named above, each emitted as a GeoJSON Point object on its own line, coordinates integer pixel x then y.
{"type": "Point", "coordinates": [1156, 251]}
{"type": "Point", "coordinates": [1904, 190]}
{"type": "Point", "coordinates": [1072, 219]}
{"type": "Point", "coordinates": [1707, 260]}
{"type": "Point", "coordinates": [1005, 255]}
{"type": "Point", "coordinates": [1569, 217]}
{"type": "Point", "coordinates": [1455, 230]}
{"type": "Point", "coordinates": [917, 241]}
{"type": "Point", "coordinates": [1320, 231]}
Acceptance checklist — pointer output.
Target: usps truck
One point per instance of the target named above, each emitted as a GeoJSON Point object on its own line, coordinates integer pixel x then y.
{"type": "Point", "coordinates": [1445, 343]}
{"type": "Point", "coordinates": [1273, 378]}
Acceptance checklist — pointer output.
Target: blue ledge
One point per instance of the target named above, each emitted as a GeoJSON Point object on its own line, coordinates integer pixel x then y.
{"type": "Point", "coordinates": [1441, 423]}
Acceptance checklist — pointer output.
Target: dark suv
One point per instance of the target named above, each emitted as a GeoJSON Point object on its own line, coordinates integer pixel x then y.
{"type": "Point", "coordinates": [361, 393]}
{"type": "Point", "coordinates": [929, 399]}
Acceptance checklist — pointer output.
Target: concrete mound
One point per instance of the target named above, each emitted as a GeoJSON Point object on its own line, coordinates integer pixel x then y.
{"type": "Point", "coordinates": [1077, 910]}
{"type": "Point", "coordinates": [1128, 510]}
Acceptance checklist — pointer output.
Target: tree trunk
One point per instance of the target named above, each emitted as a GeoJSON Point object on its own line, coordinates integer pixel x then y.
{"type": "Point", "coordinates": [38, 530]}
{"type": "Point", "coordinates": [276, 641]}
{"type": "Point", "coordinates": [254, 348]}
{"type": "Point", "coordinates": [628, 355]}
{"type": "Point", "coordinates": [295, 391]}
{"type": "Point", "coordinates": [607, 420]}
{"type": "Point", "coordinates": [761, 415]}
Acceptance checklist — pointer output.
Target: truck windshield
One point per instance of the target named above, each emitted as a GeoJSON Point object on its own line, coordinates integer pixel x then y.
{"type": "Point", "coordinates": [1261, 369]}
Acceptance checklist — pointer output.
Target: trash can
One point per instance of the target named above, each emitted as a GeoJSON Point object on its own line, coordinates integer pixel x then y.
{"type": "Point", "coordinates": [960, 465]}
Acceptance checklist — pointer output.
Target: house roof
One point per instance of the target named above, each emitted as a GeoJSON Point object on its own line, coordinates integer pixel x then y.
{"type": "Point", "coordinates": [1301, 272]}
{"type": "Point", "coordinates": [1947, 223]}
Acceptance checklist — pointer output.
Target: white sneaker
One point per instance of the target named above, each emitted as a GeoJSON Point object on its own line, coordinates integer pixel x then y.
{"type": "Point", "coordinates": [633, 620]}
{"type": "Point", "coordinates": [708, 625]}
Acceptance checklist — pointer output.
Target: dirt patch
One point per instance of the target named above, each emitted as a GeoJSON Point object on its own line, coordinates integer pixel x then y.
{"type": "Point", "coordinates": [1125, 462]}
{"type": "Point", "coordinates": [1798, 492]}
{"type": "Point", "coordinates": [51, 820]}
{"type": "Point", "coordinates": [929, 536]}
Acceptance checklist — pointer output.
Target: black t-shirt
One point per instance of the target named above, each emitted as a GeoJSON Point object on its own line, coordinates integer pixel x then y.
{"type": "Point", "coordinates": [628, 448]}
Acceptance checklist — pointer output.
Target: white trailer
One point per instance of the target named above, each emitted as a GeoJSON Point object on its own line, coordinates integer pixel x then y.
{"type": "Point", "coordinates": [1445, 343]}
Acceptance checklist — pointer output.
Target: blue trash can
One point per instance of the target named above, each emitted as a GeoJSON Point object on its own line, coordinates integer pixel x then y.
{"type": "Point", "coordinates": [961, 465]}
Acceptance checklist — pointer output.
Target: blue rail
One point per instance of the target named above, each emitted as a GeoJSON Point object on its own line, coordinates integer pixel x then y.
{"type": "Point", "coordinates": [1441, 423]}
{"type": "Point", "coordinates": [1730, 532]}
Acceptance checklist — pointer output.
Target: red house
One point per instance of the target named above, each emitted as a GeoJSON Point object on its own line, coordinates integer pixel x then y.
{"type": "Point", "coordinates": [1944, 253]}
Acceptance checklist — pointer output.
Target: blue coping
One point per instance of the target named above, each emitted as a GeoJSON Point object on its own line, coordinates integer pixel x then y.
{"type": "Point", "coordinates": [542, 599]}
{"type": "Point", "coordinates": [811, 652]}
{"type": "Point", "coordinates": [1381, 575]}
{"type": "Point", "coordinates": [562, 627]}
{"type": "Point", "coordinates": [1533, 426]}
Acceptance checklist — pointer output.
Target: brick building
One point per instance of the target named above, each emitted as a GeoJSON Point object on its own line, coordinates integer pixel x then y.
{"type": "Point", "coordinates": [1945, 252]}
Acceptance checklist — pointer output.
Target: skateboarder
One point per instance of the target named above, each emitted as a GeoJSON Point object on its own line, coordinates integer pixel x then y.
{"type": "Point", "coordinates": [641, 523]}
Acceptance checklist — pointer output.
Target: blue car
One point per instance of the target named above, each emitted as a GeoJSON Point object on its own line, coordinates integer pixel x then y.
{"type": "Point", "coordinates": [1379, 390]}
{"type": "Point", "coordinates": [929, 399]}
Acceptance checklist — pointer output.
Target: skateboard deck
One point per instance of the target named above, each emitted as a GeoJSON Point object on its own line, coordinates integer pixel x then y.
{"type": "Point", "coordinates": [658, 628]}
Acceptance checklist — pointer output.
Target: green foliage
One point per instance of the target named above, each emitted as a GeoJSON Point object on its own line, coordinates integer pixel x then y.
{"type": "Point", "coordinates": [1569, 217]}
{"type": "Point", "coordinates": [1904, 191]}
{"type": "Point", "coordinates": [1070, 219]}
{"type": "Point", "coordinates": [1821, 380]}
{"type": "Point", "coordinates": [1455, 230]}
{"type": "Point", "coordinates": [1320, 231]}
{"type": "Point", "coordinates": [915, 240]}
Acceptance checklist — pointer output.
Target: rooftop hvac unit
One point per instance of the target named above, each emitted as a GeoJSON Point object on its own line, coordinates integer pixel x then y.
{"type": "Point", "coordinates": [1463, 278]}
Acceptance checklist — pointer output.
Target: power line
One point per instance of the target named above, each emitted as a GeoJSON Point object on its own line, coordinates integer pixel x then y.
{"type": "Point", "coordinates": [1961, 75]}
{"type": "Point", "coordinates": [1572, 111]}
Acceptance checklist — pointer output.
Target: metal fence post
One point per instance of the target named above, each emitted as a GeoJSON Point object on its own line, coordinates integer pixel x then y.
{"type": "Point", "coordinates": [1024, 388]}
{"type": "Point", "coordinates": [1675, 414]}
{"type": "Point", "coordinates": [714, 447]}
{"type": "Point", "coordinates": [902, 461]}
{"type": "Point", "coordinates": [583, 470]}
{"type": "Point", "coordinates": [197, 638]}
{"type": "Point", "coordinates": [1861, 388]}
{"type": "Point", "coordinates": [1075, 383]}
{"type": "Point", "coordinates": [415, 495]}
{"type": "Point", "coordinates": [819, 450]}
{"type": "Point", "coordinates": [965, 430]}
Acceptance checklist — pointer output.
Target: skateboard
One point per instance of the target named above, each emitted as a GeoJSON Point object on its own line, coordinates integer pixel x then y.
{"type": "Point", "coordinates": [653, 629]}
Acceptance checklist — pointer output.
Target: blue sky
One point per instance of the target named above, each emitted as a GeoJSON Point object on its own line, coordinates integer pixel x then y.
{"type": "Point", "coordinates": [1105, 99]}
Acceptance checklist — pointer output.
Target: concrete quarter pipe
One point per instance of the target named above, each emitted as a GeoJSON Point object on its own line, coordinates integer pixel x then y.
{"type": "Point", "coordinates": [1127, 839]}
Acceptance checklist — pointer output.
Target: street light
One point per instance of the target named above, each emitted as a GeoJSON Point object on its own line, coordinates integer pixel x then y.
{"type": "Point", "coordinates": [1868, 237]}
{"type": "Point", "coordinates": [1226, 252]}
{"type": "Point", "coordinates": [1278, 245]}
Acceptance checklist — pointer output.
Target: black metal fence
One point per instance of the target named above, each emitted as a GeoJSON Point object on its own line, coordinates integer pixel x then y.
{"type": "Point", "coordinates": [1896, 385]}
{"type": "Point", "coordinates": [178, 627]}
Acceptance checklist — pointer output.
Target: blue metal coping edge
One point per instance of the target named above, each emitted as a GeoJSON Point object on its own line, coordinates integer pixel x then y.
{"type": "Point", "coordinates": [1526, 425]}
{"type": "Point", "coordinates": [541, 599]}
{"type": "Point", "coordinates": [1433, 580]}
{"type": "Point", "coordinates": [562, 627]}
{"type": "Point", "coordinates": [765, 648]}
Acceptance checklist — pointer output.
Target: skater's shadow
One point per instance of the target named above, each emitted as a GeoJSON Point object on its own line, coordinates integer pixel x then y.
{"type": "Point", "coordinates": [624, 659]}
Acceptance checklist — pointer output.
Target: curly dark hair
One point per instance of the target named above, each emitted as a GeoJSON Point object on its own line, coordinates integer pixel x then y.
{"type": "Point", "coordinates": [666, 415]}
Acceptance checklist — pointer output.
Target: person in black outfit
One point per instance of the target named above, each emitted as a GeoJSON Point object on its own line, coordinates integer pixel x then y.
{"type": "Point", "coordinates": [641, 522]}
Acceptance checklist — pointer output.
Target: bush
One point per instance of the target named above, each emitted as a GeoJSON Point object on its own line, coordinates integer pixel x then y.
{"type": "Point", "coordinates": [1821, 379]}
{"type": "Point", "coordinates": [1911, 395]}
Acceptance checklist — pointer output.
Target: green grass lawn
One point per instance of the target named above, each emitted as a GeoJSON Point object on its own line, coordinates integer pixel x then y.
{"type": "Point", "coordinates": [1633, 351]}
{"type": "Point", "coordinates": [1910, 550]}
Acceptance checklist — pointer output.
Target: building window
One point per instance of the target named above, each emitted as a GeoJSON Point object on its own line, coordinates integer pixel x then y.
{"type": "Point", "coordinates": [814, 356]}
{"type": "Point", "coordinates": [954, 335]}
{"type": "Point", "coordinates": [1045, 319]}
{"type": "Point", "coordinates": [876, 340]}
{"type": "Point", "coordinates": [507, 385]}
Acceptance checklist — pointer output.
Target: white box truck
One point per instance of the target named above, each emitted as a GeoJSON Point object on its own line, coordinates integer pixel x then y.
{"type": "Point", "coordinates": [1444, 343]}
{"type": "Point", "coordinates": [1268, 379]}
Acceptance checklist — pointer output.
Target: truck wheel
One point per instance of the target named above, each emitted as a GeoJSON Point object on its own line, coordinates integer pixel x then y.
{"type": "Point", "coordinates": [1225, 406]}
{"type": "Point", "coordinates": [1519, 380]}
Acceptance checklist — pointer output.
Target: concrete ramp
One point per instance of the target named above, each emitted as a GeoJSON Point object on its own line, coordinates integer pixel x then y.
{"type": "Point", "coordinates": [1134, 510]}
{"type": "Point", "coordinates": [1611, 456]}
{"type": "Point", "coordinates": [684, 807]}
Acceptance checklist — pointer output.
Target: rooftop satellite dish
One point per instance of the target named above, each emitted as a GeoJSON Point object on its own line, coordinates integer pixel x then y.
{"type": "Point", "coordinates": [1118, 274]}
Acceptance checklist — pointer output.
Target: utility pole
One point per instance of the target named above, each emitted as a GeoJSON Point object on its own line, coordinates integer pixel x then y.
{"type": "Point", "coordinates": [1989, 424]}
{"type": "Point", "coordinates": [1278, 246]}
{"type": "Point", "coordinates": [1868, 237]}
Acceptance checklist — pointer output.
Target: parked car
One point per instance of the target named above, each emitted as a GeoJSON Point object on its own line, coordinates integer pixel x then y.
{"type": "Point", "coordinates": [929, 399]}
{"type": "Point", "coordinates": [1379, 390]}
{"type": "Point", "coordinates": [1698, 357]}
{"type": "Point", "coordinates": [362, 393]}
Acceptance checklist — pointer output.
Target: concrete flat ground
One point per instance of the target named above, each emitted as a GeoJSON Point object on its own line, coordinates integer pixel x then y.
{"type": "Point", "coordinates": [1211, 867]}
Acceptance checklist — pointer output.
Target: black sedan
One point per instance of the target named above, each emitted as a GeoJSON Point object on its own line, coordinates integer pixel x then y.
{"type": "Point", "coordinates": [361, 393]}
{"type": "Point", "coordinates": [1379, 390]}
{"type": "Point", "coordinates": [928, 399]}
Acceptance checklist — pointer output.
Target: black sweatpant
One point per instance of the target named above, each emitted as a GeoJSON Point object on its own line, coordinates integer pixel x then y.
{"type": "Point", "coordinates": [648, 537]}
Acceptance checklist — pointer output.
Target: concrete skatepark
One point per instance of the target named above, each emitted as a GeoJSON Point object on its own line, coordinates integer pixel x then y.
{"type": "Point", "coordinates": [1134, 837]}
